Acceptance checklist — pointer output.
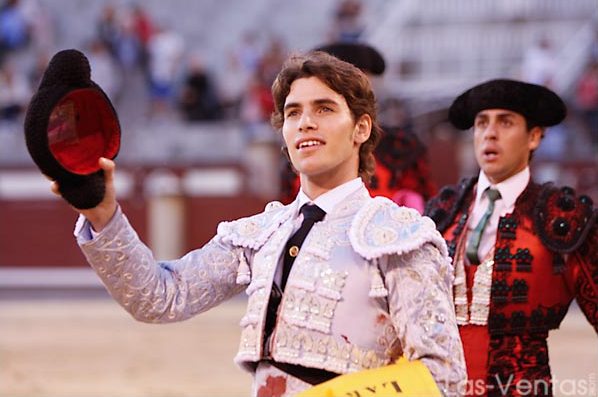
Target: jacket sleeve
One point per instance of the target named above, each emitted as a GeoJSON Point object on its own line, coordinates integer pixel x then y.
{"type": "Point", "coordinates": [584, 267]}
{"type": "Point", "coordinates": [159, 292]}
{"type": "Point", "coordinates": [421, 306]}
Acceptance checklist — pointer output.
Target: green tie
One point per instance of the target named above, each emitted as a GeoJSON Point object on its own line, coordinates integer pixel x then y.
{"type": "Point", "coordinates": [476, 235]}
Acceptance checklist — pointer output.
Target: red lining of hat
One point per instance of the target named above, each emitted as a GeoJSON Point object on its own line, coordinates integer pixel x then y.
{"type": "Point", "coordinates": [82, 128]}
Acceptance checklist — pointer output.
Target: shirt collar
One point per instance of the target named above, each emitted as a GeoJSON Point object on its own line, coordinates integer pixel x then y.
{"type": "Point", "coordinates": [509, 189]}
{"type": "Point", "coordinates": [333, 197]}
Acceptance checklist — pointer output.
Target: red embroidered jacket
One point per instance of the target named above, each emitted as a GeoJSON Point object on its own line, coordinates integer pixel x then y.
{"type": "Point", "coordinates": [546, 255]}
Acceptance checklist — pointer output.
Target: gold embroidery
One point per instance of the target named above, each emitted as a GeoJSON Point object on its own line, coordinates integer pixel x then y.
{"type": "Point", "coordinates": [324, 351]}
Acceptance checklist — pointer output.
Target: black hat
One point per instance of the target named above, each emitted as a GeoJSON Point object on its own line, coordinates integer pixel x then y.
{"type": "Point", "coordinates": [361, 55]}
{"type": "Point", "coordinates": [539, 105]}
{"type": "Point", "coordinates": [71, 123]}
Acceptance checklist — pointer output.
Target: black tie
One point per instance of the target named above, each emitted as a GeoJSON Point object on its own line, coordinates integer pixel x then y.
{"type": "Point", "coordinates": [311, 215]}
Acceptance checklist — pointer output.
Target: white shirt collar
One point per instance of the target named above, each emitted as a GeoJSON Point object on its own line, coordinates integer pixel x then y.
{"type": "Point", "coordinates": [333, 197]}
{"type": "Point", "coordinates": [509, 189]}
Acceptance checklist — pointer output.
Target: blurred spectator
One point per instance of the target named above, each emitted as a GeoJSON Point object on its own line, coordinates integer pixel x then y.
{"type": "Point", "coordinates": [126, 32]}
{"type": "Point", "coordinates": [144, 29]}
{"type": "Point", "coordinates": [257, 105]}
{"type": "Point", "coordinates": [242, 62]}
{"type": "Point", "coordinates": [199, 98]}
{"type": "Point", "coordinates": [37, 69]}
{"type": "Point", "coordinates": [127, 46]}
{"type": "Point", "coordinates": [15, 92]}
{"type": "Point", "coordinates": [41, 24]}
{"type": "Point", "coordinates": [594, 45]}
{"type": "Point", "coordinates": [539, 63]}
{"type": "Point", "coordinates": [231, 86]}
{"type": "Point", "coordinates": [14, 28]}
{"type": "Point", "coordinates": [586, 100]}
{"type": "Point", "coordinates": [127, 49]}
{"type": "Point", "coordinates": [272, 60]}
{"type": "Point", "coordinates": [262, 148]}
{"type": "Point", "coordinates": [107, 28]}
{"type": "Point", "coordinates": [103, 68]}
{"type": "Point", "coordinates": [249, 53]}
{"type": "Point", "coordinates": [165, 52]}
{"type": "Point", "coordinates": [347, 23]}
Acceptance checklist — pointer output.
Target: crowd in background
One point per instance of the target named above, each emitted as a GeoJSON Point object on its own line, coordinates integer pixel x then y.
{"type": "Point", "coordinates": [130, 42]}
{"type": "Point", "coordinates": [152, 72]}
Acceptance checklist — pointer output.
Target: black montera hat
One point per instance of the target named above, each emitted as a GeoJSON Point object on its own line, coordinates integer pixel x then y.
{"type": "Point", "coordinates": [361, 55]}
{"type": "Point", "coordinates": [539, 105]}
{"type": "Point", "coordinates": [71, 123]}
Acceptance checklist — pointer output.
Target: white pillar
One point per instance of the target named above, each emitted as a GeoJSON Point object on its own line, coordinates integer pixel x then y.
{"type": "Point", "coordinates": [165, 214]}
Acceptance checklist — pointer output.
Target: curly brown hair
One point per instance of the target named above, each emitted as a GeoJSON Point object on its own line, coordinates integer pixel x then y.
{"type": "Point", "coordinates": [343, 78]}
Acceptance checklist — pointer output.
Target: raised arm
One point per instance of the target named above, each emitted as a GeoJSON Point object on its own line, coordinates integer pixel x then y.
{"type": "Point", "coordinates": [152, 291]}
{"type": "Point", "coordinates": [159, 291]}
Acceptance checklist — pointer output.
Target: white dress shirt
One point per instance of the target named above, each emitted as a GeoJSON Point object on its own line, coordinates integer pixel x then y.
{"type": "Point", "coordinates": [509, 189]}
{"type": "Point", "coordinates": [326, 202]}
{"type": "Point", "coordinates": [331, 198]}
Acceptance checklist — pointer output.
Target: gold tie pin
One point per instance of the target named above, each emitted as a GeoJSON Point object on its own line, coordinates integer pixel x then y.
{"type": "Point", "coordinates": [293, 251]}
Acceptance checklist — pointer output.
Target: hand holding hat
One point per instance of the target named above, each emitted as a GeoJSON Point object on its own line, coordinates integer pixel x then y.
{"type": "Point", "coordinates": [70, 124]}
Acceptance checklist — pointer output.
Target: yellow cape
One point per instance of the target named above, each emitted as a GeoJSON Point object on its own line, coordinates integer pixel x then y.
{"type": "Point", "coordinates": [403, 378]}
